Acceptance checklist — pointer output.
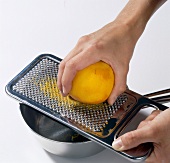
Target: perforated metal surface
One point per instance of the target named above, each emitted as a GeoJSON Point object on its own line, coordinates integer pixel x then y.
{"type": "Point", "coordinates": [40, 85]}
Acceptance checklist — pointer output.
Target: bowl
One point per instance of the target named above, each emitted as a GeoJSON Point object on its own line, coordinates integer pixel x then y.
{"type": "Point", "coordinates": [57, 138]}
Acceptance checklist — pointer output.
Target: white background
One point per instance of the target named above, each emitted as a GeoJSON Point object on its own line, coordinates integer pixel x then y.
{"type": "Point", "coordinates": [32, 27]}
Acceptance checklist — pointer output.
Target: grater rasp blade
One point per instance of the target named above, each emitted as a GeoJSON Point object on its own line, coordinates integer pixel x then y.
{"type": "Point", "coordinates": [36, 86]}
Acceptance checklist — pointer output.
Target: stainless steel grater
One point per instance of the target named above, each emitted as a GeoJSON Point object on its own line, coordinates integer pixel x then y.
{"type": "Point", "coordinates": [36, 86]}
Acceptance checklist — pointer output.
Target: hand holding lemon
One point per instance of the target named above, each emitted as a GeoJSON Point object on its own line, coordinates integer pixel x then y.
{"type": "Point", "coordinates": [112, 45]}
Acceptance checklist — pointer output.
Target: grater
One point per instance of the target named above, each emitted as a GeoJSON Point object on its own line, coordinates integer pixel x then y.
{"type": "Point", "coordinates": [36, 86]}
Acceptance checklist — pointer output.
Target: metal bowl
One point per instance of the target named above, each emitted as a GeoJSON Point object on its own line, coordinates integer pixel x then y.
{"type": "Point", "coordinates": [57, 138]}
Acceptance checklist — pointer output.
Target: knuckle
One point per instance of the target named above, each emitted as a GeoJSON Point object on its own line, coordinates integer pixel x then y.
{"type": "Point", "coordinates": [84, 39]}
{"type": "Point", "coordinates": [128, 139]}
{"type": "Point", "coordinates": [143, 123]}
{"type": "Point", "coordinates": [96, 46]}
{"type": "Point", "coordinates": [153, 130]}
{"type": "Point", "coordinates": [62, 64]}
{"type": "Point", "coordinates": [70, 65]}
{"type": "Point", "coordinates": [122, 89]}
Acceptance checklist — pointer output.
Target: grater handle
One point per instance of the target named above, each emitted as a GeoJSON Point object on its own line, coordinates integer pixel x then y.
{"type": "Point", "coordinates": [162, 96]}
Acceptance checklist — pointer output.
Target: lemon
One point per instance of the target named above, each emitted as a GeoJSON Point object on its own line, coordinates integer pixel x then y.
{"type": "Point", "coordinates": [93, 84]}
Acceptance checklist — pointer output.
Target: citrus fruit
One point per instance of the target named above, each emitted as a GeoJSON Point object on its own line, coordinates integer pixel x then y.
{"type": "Point", "coordinates": [93, 84]}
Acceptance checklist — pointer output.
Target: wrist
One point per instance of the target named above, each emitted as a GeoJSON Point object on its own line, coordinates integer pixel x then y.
{"type": "Point", "coordinates": [136, 14]}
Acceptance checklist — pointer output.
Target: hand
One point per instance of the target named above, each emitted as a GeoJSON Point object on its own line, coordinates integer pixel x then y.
{"type": "Point", "coordinates": [155, 128]}
{"type": "Point", "coordinates": [113, 44]}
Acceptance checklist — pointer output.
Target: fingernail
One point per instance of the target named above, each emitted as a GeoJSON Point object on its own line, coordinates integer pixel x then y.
{"type": "Point", "coordinates": [64, 91]}
{"type": "Point", "coordinates": [117, 144]}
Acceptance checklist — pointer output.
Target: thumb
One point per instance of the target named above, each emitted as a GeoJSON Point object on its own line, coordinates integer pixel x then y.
{"type": "Point", "coordinates": [133, 139]}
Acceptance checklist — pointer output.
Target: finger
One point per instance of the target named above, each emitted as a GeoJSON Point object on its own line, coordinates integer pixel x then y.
{"type": "Point", "coordinates": [74, 65]}
{"type": "Point", "coordinates": [143, 123]}
{"type": "Point", "coordinates": [77, 49]}
{"type": "Point", "coordinates": [74, 52]}
{"type": "Point", "coordinates": [149, 118]}
{"type": "Point", "coordinates": [119, 87]}
{"type": "Point", "coordinates": [153, 115]}
{"type": "Point", "coordinates": [81, 44]}
{"type": "Point", "coordinates": [133, 139]}
{"type": "Point", "coordinates": [59, 75]}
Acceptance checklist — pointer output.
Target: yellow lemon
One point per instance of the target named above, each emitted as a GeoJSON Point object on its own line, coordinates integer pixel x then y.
{"type": "Point", "coordinates": [93, 84]}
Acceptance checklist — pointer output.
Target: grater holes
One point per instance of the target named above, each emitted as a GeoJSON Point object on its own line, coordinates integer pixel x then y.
{"type": "Point", "coordinates": [39, 85]}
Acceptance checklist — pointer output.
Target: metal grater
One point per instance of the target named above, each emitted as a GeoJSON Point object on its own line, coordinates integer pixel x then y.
{"type": "Point", "coordinates": [36, 86]}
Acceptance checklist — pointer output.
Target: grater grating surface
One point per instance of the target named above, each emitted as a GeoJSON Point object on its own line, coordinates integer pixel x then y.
{"type": "Point", "coordinates": [40, 85]}
{"type": "Point", "coordinates": [36, 86]}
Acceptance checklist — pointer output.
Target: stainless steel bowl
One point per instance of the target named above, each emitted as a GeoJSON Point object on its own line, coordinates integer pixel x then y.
{"type": "Point", "coordinates": [57, 138]}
